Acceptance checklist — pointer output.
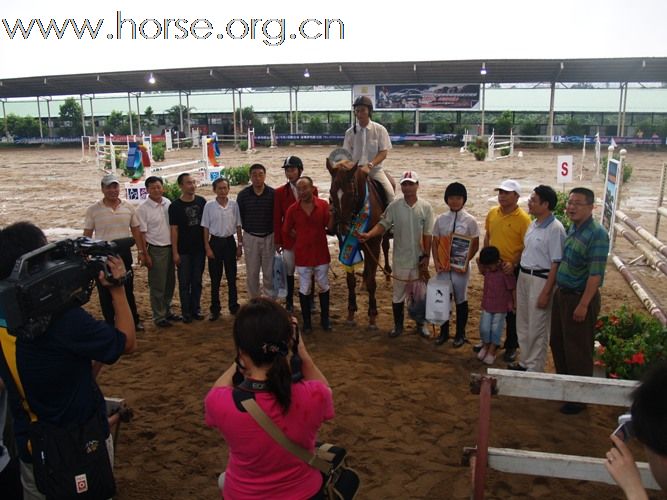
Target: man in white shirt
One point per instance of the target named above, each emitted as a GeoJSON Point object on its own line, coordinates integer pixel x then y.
{"type": "Point", "coordinates": [156, 247]}
{"type": "Point", "coordinates": [368, 141]}
{"type": "Point", "coordinates": [221, 220]}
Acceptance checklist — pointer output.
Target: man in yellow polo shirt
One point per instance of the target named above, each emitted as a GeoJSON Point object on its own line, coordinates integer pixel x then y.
{"type": "Point", "coordinates": [506, 225]}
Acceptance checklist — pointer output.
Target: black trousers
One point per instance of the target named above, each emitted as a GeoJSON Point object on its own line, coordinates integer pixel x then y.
{"type": "Point", "coordinates": [105, 295]}
{"type": "Point", "coordinates": [511, 339]}
{"type": "Point", "coordinates": [224, 250]}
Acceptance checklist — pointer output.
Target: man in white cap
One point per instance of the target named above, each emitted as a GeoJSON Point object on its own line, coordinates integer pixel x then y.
{"type": "Point", "coordinates": [506, 226]}
{"type": "Point", "coordinates": [412, 222]}
{"type": "Point", "coordinates": [109, 219]}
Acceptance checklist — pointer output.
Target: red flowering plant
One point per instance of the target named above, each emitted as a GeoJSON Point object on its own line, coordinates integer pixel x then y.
{"type": "Point", "coordinates": [627, 343]}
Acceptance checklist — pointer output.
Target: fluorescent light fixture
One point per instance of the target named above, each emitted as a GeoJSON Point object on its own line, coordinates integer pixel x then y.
{"type": "Point", "coordinates": [306, 74]}
{"type": "Point", "coordinates": [151, 79]}
{"type": "Point", "coordinates": [483, 70]}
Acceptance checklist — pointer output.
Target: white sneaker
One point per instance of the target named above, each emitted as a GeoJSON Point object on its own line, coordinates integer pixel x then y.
{"type": "Point", "coordinates": [489, 359]}
{"type": "Point", "coordinates": [482, 353]}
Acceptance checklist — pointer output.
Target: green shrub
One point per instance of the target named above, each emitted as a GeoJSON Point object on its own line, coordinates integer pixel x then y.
{"type": "Point", "coordinates": [238, 176]}
{"type": "Point", "coordinates": [243, 145]}
{"type": "Point", "coordinates": [505, 151]}
{"type": "Point", "coordinates": [400, 126]}
{"type": "Point", "coordinates": [479, 149]}
{"type": "Point", "coordinates": [573, 127]}
{"type": "Point", "coordinates": [559, 211]}
{"type": "Point", "coordinates": [627, 167]}
{"type": "Point", "coordinates": [315, 126]}
{"type": "Point", "coordinates": [158, 151]}
{"type": "Point", "coordinates": [628, 344]}
{"type": "Point", "coordinates": [338, 127]}
{"type": "Point", "coordinates": [171, 190]}
{"type": "Point", "coordinates": [503, 125]}
{"type": "Point", "coordinates": [529, 127]}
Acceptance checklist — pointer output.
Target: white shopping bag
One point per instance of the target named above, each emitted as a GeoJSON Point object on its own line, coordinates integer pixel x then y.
{"type": "Point", "coordinates": [437, 301]}
{"type": "Point", "coordinates": [279, 276]}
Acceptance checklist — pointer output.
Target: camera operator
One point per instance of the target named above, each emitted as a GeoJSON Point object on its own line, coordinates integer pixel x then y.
{"type": "Point", "coordinates": [57, 369]}
{"type": "Point", "coordinates": [649, 424]}
{"type": "Point", "coordinates": [259, 467]}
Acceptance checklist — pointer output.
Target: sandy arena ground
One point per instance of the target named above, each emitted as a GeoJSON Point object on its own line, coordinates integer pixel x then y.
{"type": "Point", "coordinates": [404, 410]}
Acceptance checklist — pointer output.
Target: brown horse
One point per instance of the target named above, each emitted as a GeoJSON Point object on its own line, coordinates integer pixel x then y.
{"type": "Point", "coordinates": [348, 190]}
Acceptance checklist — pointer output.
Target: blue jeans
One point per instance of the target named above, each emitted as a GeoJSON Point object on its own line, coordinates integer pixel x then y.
{"type": "Point", "coordinates": [491, 327]}
{"type": "Point", "coordinates": [190, 273]}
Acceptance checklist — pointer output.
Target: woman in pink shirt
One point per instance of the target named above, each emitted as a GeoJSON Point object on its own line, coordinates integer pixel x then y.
{"type": "Point", "coordinates": [295, 395]}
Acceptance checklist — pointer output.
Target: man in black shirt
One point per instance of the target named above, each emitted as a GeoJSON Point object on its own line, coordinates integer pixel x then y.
{"type": "Point", "coordinates": [256, 205]}
{"type": "Point", "coordinates": [187, 244]}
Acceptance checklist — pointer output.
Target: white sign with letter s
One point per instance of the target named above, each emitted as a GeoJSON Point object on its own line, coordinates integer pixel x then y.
{"type": "Point", "coordinates": [564, 169]}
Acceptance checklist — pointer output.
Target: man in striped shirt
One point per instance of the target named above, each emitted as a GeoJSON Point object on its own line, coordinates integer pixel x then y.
{"type": "Point", "coordinates": [576, 303]}
{"type": "Point", "coordinates": [256, 206]}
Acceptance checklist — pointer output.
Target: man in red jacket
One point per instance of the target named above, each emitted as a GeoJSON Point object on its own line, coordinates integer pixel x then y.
{"type": "Point", "coordinates": [306, 223]}
{"type": "Point", "coordinates": [284, 197]}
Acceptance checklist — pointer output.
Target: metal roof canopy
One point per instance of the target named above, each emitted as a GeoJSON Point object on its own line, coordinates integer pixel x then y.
{"type": "Point", "coordinates": [358, 73]}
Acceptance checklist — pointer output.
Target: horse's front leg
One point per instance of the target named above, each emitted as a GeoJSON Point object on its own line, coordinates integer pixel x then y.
{"type": "Point", "coordinates": [370, 266]}
{"type": "Point", "coordinates": [385, 251]}
{"type": "Point", "coordinates": [351, 297]}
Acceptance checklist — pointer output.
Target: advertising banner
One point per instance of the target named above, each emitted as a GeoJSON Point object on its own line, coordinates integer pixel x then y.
{"type": "Point", "coordinates": [431, 96]}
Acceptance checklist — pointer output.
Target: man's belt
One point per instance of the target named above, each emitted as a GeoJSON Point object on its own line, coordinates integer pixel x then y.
{"type": "Point", "coordinates": [159, 246]}
{"type": "Point", "coordinates": [540, 273]}
{"type": "Point", "coordinates": [260, 235]}
{"type": "Point", "coordinates": [569, 291]}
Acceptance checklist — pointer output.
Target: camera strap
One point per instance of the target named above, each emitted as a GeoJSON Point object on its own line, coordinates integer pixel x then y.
{"type": "Point", "coordinates": [321, 461]}
{"type": "Point", "coordinates": [8, 344]}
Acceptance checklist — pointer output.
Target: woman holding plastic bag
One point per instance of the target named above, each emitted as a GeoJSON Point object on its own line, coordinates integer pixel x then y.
{"type": "Point", "coordinates": [455, 243]}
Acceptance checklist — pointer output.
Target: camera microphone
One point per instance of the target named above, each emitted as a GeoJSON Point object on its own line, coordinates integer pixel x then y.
{"type": "Point", "coordinates": [122, 244]}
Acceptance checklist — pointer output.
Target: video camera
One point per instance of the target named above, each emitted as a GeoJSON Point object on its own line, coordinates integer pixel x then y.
{"type": "Point", "coordinates": [53, 278]}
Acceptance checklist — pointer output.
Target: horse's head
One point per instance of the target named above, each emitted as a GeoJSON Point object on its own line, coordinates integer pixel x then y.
{"type": "Point", "coordinates": [347, 193]}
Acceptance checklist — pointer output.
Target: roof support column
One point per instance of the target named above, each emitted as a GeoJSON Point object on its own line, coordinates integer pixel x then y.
{"type": "Point", "coordinates": [39, 114]}
{"type": "Point", "coordinates": [187, 110]}
{"type": "Point", "coordinates": [129, 113]}
{"type": "Point", "coordinates": [625, 102]}
{"type": "Point", "coordinates": [241, 115]}
{"type": "Point", "coordinates": [138, 114]}
{"type": "Point", "coordinates": [234, 116]}
{"type": "Point", "coordinates": [291, 119]}
{"type": "Point", "coordinates": [620, 111]}
{"type": "Point", "coordinates": [550, 126]}
{"type": "Point", "coordinates": [296, 110]}
{"type": "Point", "coordinates": [416, 121]}
{"type": "Point", "coordinates": [352, 117]}
{"type": "Point", "coordinates": [483, 107]}
{"type": "Point", "coordinates": [83, 116]}
{"type": "Point", "coordinates": [49, 123]}
{"type": "Point", "coordinates": [180, 112]}
{"type": "Point", "coordinates": [4, 117]}
{"type": "Point", "coordinates": [92, 115]}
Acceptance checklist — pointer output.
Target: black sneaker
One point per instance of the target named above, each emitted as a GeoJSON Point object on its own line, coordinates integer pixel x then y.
{"type": "Point", "coordinates": [174, 317]}
{"type": "Point", "coordinates": [572, 408]}
{"type": "Point", "coordinates": [213, 316]}
{"type": "Point", "coordinates": [478, 347]}
{"type": "Point", "coordinates": [459, 341]}
{"type": "Point", "coordinates": [187, 319]}
{"type": "Point", "coordinates": [517, 367]}
{"type": "Point", "coordinates": [198, 316]}
{"type": "Point", "coordinates": [163, 323]}
{"type": "Point", "coordinates": [510, 355]}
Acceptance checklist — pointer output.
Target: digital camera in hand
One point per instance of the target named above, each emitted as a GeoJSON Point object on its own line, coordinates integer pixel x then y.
{"type": "Point", "coordinates": [52, 278]}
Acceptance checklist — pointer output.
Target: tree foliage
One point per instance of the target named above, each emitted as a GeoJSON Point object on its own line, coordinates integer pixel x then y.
{"type": "Point", "coordinates": [70, 118]}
